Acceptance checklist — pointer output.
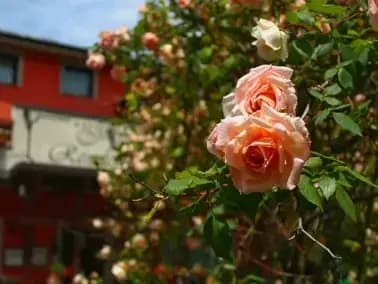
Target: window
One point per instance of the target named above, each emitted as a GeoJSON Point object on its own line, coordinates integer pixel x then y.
{"type": "Point", "coordinates": [8, 69]}
{"type": "Point", "coordinates": [77, 81]}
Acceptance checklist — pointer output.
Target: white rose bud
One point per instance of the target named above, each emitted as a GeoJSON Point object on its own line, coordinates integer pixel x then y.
{"type": "Point", "coordinates": [271, 43]}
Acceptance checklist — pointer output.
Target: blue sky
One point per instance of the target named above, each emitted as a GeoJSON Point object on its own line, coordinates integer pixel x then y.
{"type": "Point", "coordinates": [76, 22]}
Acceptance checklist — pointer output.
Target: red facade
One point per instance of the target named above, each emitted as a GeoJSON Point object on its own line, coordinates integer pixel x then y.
{"type": "Point", "coordinates": [38, 221]}
{"type": "Point", "coordinates": [41, 83]}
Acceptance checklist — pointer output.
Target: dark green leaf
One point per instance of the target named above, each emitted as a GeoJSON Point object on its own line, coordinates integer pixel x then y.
{"type": "Point", "coordinates": [218, 235]}
{"type": "Point", "coordinates": [309, 191]}
{"type": "Point", "coordinates": [345, 79]}
{"type": "Point", "coordinates": [303, 47]}
{"type": "Point", "coordinates": [358, 176]}
{"type": "Point", "coordinates": [327, 185]}
{"type": "Point", "coordinates": [347, 123]}
{"type": "Point", "coordinates": [346, 203]}
{"type": "Point", "coordinates": [322, 50]}
{"type": "Point", "coordinates": [241, 203]}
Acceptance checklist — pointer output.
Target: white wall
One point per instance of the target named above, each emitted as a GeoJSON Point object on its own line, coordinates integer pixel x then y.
{"type": "Point", "coordinates": [56, 139]}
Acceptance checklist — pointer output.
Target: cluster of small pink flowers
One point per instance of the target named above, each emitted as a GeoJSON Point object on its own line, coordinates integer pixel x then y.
{"type": "Point", "coordinates": [110, 40]}
{"type": "Point", "coordinates": [261, 140]}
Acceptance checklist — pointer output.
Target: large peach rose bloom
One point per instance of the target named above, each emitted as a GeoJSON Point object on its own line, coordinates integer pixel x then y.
{"type": "Point", "coordinates": [264, 150]}
{"type": "Point", "coordinates": [264, 84]}
{"type": "Point", "coordinates": [373, 13]}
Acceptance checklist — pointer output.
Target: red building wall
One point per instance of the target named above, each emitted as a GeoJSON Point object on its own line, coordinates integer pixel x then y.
{"type": "Point", "coordinates": [41, 88]}
{"type": "Point", "coordinates": [41, 84]}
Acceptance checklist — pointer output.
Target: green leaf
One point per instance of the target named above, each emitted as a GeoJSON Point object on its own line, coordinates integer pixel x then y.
{"type": "Point", "coordinates": [322, 116]}
{"type": "Point", "coordinates": [303, 47]}
{"type": "Point", "coordinates": [314, 163]}
{"type": "Point", "coordinates": [218, 235]}
{"type": "Point", "coordinates": [358, 176]}
{"type": "Point", "coordinates": [322, 50]}
{"type": "Point", "coordinates": [252, 279]}
{"type": "Point", "coordinates": [292, 17]}
{"type": "Point", "coordinates": [178, 152]}
{"type": "Point", "coordinates": [327, 186]}
{"type": "Point", "coordinates": [239, 203]}
{"type": "Point", "coordinates": [316, 94]}
{"type": "Point", "coordinates": [306, 17]}
{"type": "Point", "coordinates": [330, 73]}
{"type": "Point", "coordinates": [347, 123]}
{"type": "Point", "coordinates": [346, 203]}
{"type": "Point", "coordinates": [332, 101]}
{"type": "Point", "coordinates": [320, 6]}
{"type": "Point", "coordinates": [345, 79]}
{"type": "Point", "coordinates": [334, 89]}
{"type": "Point", "coordinates": [180, 185]}
{"type": "Point", "coordinates": [309, 191]}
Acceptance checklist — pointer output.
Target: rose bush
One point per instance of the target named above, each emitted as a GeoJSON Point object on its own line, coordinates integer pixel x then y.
{"type": "Point", "coordinates": [194, 73]}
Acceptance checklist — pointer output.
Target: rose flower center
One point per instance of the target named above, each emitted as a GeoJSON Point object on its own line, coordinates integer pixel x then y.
{"type": "Point", "coordinates": [265, 96]}
{"type": "Point", "coordinates": [258, 158]}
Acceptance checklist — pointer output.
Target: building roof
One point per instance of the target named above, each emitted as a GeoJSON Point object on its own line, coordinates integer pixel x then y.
{"type": "Point", "coordinates": [39, 43]}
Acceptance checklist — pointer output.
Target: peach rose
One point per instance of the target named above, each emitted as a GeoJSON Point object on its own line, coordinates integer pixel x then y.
{"type": "Point", "coordinates": [150, 40]}
{"type": "Point", "coordinates": [184, 3]}
{"type": "Point", "coordinates": [95, 61]}
{"type": "Point", "coordinates": [265, 84]}
{"type": "Point", "coordinates": [373, 13]}
{"type": "Point", "coordinates": [109, 40]}
{"type": "Point", "coordinates": [123, 34]}
{"type": "Point", "coordinates": [118, 72]}
{"type": "Point", "coordinates": [271, 43]}
{"type": "Point", "coordinates": [263, 150]}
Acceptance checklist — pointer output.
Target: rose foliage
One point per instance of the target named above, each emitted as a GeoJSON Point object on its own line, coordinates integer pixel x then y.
{"type": "Point", "coordinates": [250, 143]}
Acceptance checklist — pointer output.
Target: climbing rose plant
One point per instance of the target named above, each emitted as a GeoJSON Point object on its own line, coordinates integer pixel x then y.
{"type": "Point", "coordinates": [249, 143]}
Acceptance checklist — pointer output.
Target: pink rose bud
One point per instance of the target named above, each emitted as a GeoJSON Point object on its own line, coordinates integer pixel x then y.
{"type": "Point", "coordinates": [166, 51]}
{"type": "Point", "coordinates": [360, 98]}
{"type": "Point", "coordinates": [143, 8]}
{"type": "Point", "coordinates": [103, 178]}
{"type": "Point", "coordinates": [109, 40]}
{"type": "Point", "coordinates": [184, 3]}
{"type": "Point", "coordinates": [266, 84]}
{"type": "Point", "coordinates": [96, 61]}
{"type": "Point", "coordinates": [325, 28]}
{"type": "Point", "coordinates": [263, 150]}
{"type": "Point", "coordinates": [150, 40]}
{"type": "Point", "coordinates": [123, 34]}
{"type": "Point", "coordinates": [373, 13]}
{"type": "Point", "coordinates": [118, 72]}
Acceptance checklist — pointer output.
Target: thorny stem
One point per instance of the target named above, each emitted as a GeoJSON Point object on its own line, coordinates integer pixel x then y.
{"type": "Point", "coordinates": [301, 229]}
{"type": "Point", "coordinates": [279, 272]}
{"type": "Point", "coordinates": [137, 181]}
